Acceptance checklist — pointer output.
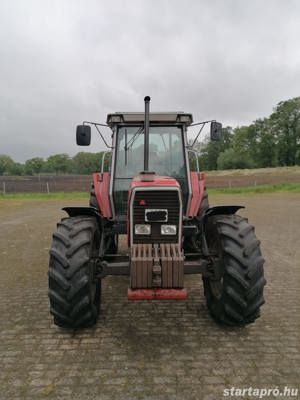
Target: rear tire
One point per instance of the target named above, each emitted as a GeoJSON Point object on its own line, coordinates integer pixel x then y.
{"type": "Point", "coordinates": [73, 292]}
{"type": "Point", "coordinates": [236, 295]}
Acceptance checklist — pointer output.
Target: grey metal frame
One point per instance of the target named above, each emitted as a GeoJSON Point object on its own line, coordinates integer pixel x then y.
{"type": "Point", "coordinates": [185, 143]}
{"type": "Point", "coordinates": [195, 152]}
{"type": "Point", "coordinates": [103, 159]}
{"type": "Point", "coordinates": [112, 173]}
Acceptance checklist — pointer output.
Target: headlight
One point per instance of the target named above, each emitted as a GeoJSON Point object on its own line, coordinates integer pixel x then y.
{"type": "Point", "coordinates": [168, 229]}
{"type": "Point", "coordinates": [140, 229]}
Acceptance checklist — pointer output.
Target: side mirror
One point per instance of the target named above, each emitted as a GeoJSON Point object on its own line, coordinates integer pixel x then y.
{"type": "Point", "coordinates": [83, 135]}
{"type": "Point", "coordinates": [215, 131]}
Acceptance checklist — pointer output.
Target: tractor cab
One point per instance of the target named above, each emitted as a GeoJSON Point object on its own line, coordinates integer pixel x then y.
{"type": "Point", "coordinates": [146, 142]}
{"type": "Point", "coordinates": [167, 152]}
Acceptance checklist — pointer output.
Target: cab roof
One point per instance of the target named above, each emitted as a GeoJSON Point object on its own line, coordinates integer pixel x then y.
{"type": "Point", "coordinates": [167, 118]}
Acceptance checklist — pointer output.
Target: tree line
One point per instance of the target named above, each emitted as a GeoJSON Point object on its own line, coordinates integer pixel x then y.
{"type": "Point", "coordinates": [268, 142]}
{"type": "Point", "coordinates": [81, 163]}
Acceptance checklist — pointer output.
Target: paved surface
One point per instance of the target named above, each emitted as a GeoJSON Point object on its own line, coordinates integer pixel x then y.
{"type": "Point", "coordinates": [144, 350]}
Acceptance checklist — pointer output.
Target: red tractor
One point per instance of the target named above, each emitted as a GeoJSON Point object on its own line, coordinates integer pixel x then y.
{"type": "Point", "coordinates": [152, 194]}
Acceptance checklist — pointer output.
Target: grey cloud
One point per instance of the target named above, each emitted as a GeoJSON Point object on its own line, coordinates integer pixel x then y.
{"type": "Point", "coordinates": [66, 61]}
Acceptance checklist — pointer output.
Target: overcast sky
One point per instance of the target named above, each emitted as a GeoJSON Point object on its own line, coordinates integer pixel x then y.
{"type": "Point", "coordinates": [63, 61]}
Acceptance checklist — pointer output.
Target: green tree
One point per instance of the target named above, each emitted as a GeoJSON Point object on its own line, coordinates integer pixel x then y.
{"type": "Point", "coordinates": [244, 142]}
{"type": "Point", "coordinates": [230, 159]}
{"type": "Point", "coordinates": [17, 169]}
{"type": "Point", "coordinates": [6, 164]}
{"type": "Point", "coordinates": [211, 150]}
{"type": "Point", "coordinates": [285, 126]}
{"type": "Point", "coordinates": [34, 165]}
{"type": "Point", "coordinates": [265, 150]}
{"type": "Point", "coordinates": [86, 163]}
{"type": "Point", "coordinates": [58, 163]}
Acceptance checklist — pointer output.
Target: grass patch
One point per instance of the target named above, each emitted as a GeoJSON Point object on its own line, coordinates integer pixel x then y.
{"type": "Point", "coordinates": [45, 196]}
{"type": "Point", "coordinates": [277, 171]}
{"type": "Point", "coordinates": [282, 187]}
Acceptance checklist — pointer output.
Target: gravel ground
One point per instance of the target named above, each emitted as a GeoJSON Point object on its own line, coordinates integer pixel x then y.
{"type": "Point", "coordinates": [145, 350]}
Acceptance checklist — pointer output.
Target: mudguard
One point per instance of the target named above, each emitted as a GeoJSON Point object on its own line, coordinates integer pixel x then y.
{"type": "Point", "coordinates": [218, 210]}
{"type": "Point", "coordinates": [74, 211]}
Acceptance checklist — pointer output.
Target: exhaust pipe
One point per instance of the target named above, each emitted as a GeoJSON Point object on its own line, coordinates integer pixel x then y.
{"type": "Point", "coordinates": [146, 134]}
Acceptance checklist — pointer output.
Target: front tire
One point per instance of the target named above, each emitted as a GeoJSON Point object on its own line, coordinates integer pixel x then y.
{"type": "Point", "coordinates": [74, 294]}
{"type": "Point", "coordinates": [235, 295]}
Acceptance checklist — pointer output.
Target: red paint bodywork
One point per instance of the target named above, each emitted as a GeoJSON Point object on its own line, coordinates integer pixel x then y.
{"type": "Point", "coordinates": [101, 183]}
{"type": "Point", "coordinates": [157, 294]}
{"type": "Point", "coordinates": [197, 183]}
{"type": "Point", "coordinates": [145, 180]}
{"type": "Point", "coordinates": [152, 180]}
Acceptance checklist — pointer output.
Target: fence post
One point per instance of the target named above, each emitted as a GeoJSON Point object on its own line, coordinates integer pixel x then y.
{"type": "Point", "coordinates": [229, 184]}
{"type": "Point", "coordinates": [48, 190]}
{"type": "Point", "coordinates": [4, 188]}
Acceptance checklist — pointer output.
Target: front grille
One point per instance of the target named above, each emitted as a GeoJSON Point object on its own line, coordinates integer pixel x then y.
{"type": "Point", "coordinates": [156, 199]}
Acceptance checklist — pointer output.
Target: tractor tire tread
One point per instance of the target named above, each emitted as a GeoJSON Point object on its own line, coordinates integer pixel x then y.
{"type": "Point", "coordinates": [73, 304]}
{"type": "Point", "coordinates": [243, 279]}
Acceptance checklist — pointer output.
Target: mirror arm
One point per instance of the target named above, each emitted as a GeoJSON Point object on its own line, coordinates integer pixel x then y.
{"type": "Point", "coordinates": [107, 145]}
{"type": "Point", "coordinates": [96, 124]}
{"type": "Point", "coordinates": [196, 138]}
{"type": "Point", "coordinates": [203, 124]}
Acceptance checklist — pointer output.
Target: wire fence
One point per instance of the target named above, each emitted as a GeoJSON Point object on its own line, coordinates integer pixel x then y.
{"type": "Point", "coordinates": [81, 183]}
{"type": "Point", "coordinates": [45, 184]}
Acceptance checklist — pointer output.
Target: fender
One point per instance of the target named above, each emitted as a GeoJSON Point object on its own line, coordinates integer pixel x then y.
{"type": "Point", "coordinates": [218, 210]}
{"type": "Point", "coordinates": [74, 211]}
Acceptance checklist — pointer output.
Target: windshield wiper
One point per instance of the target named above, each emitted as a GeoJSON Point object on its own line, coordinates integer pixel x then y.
{"type": "Point", "coordinates": [134, 137]}
{"type": "Point", "coordinates": [131, 141]}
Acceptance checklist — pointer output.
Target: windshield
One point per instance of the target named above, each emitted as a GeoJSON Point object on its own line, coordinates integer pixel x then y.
{"type": "Point", "coordinates": [166, 156]}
